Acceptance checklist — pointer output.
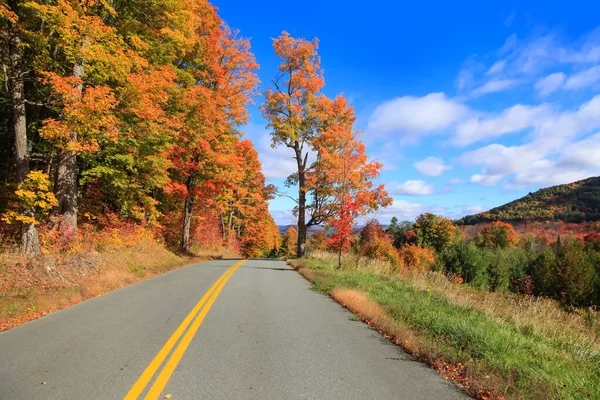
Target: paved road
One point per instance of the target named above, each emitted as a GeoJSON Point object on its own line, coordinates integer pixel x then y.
{"type": "Point", "coordinates": [266, 336]}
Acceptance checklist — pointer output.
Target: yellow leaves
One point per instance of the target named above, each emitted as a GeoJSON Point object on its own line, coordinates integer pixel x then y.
{"type": "Point", "coordinates": [35, 198]}
{"type": "Point", "coordinates": [167, 396]}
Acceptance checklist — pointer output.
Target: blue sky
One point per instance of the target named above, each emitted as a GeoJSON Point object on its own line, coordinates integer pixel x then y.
{"type": "Point", "coordinates": [468, 105]}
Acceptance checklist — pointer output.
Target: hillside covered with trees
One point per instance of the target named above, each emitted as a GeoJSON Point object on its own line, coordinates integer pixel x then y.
{"type": "Point", "coordinates": [574, 202]}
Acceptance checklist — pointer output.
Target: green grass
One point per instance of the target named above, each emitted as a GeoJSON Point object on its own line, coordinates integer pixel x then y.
{"type": "Point", "coordinates": [528, 363]}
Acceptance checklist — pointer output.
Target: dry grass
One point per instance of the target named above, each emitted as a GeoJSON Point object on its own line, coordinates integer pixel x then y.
{"type": "Point", "coordinates": [33, 288]}
{"type": "Point", "coordinates": [545, 316]}
{"type": "Point", "coordinates": [494, 345]}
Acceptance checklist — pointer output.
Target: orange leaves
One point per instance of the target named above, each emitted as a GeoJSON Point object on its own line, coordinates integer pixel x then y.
{"type": "Point", "coordinates": [497, 235]}
{"type": "Point", "coordinates": [292, 105]}
{"type": "Point", "coordinates": [89, 114]}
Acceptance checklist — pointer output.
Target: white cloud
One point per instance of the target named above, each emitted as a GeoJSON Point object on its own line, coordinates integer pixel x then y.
{"type": "Point", "coordinates": [513, 119]}
{"type": "Point", "coordinates": [493, 86]}
{"type": "Point", "coordinates": [276, 163]}
{"type": "Point", "coordinates": [584, 154]}
{"type": "Point", "coordinates": [550, 83]}
{"type": "Point", "coordinates": [401, 209]}
{"type": "Point", "coordinates": [456, 181]}
{"type": "Point", "coordinates": [469, 210]}
{"type": "Point", "coordinates": [486, 180]}
{"type": "Point", "coordinates": [544, 173]}
{"type": "Point", "coordinates": [412, 188]}
{"type": "Point", "coordinates": [496, 68]}
{"type": "Point", "coordinates": [408, 117]}
{"type": "Point", "coordinates": [555, 128]}
{"type": "Point", "coordinates": [583, 79]}
{"type": "Point", "coordinates": [432, 166]}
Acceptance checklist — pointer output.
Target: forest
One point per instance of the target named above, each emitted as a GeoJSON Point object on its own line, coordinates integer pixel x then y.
{"type": "Point", "coordinates": [128, 112]}
{"type": "Point", "coordinates": [575, 202]}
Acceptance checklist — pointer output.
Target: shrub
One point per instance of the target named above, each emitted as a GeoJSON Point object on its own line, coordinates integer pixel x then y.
{"type": "Point", "coordinates": [497, 235]}
{"type": "Point", "coordinates": [318, 240]}
{"type": "Point", "coordinates": [416, 258]}
{"type": "Point", "coordinates": [382, 250]}
{"type": "Point", "coordinates": [566, 272]}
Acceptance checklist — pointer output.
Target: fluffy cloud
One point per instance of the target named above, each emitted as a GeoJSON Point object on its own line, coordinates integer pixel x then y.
{"type": "Point", "coordinates": [511, 120]}
{"type": "Point", "coordinates": [550, 83]}
{"type": "Point", "coordinates": [529, 165]}
{"type": "Point", "coordinates": [276, 163]}
{"type": "Point", "coordinates": [432, 166]}
{"type": "Point", "coordinates": [410, 116]}
{"type": "Point", "coordinates": [485, 179]}
{"type": "Point", "coordinates": [411, 188]}
{"type": "Point", "coordinates": [401, 209]}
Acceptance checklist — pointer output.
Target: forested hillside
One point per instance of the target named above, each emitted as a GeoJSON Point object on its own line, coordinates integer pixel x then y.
{"type": "Point", "coordinates": [574, 202]}
{"type": "Point", "coordinates": [128, 112]}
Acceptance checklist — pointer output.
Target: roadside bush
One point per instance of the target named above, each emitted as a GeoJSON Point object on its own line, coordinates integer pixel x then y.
{"type": "Point", "coordinates": [318, 240]}
{"type": "Point", "coordinates": [507, 268]}
{"type": "Point", "coordinates": [382, 250]}
{"type": "Point", "coordinates": [415, 258]}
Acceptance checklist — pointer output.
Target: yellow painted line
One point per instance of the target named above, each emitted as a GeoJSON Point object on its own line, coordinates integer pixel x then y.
{"type": "Point", "coordinates": [167, 371]}
{"type": "Point", "coordinates": [139, 386]}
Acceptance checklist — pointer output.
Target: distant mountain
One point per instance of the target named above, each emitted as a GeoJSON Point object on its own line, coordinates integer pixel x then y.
{"type": "Point", "coordinates": [574, 202]}
{"type": "Point", "coordinates": [311, 230]}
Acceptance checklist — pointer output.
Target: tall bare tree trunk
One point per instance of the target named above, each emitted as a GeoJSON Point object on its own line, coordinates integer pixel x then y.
{"type": "Point", "coordinates": [66, 180]}
{"type": "Point", "coordinates": [188, 209]}
{"type": "Point", "coordinates": [301, 201]}
{"type": "Point", "coordinates": [30, 242]}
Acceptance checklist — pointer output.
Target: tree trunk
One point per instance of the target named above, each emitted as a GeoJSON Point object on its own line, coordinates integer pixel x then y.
{"type": "Point", "coordinates": [66, 180]}
{"type": "Point", "coordinates": [301, 203]}
{"type": "Point", "coordinates": [188, 209]}
{"type": "Point", "coordinates": [223, 226]}
{"type": "Point", "coordinates": [30, 243]}
{"type": "Point", "coordinates": [340, 255]}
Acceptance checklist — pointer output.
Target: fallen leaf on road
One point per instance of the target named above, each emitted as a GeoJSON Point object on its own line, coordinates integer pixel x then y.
{"type": "Point", "coordinates": [167, 396]}
{"type": "Point", "coordinates": [43, 383]}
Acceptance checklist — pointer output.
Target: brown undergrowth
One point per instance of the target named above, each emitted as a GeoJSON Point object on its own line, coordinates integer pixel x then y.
{"type": "Point", "coordinates": [31, 288]}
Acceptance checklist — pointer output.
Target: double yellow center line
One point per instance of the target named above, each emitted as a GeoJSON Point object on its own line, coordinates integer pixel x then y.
{"type": "Point", "coordinates": [195, 318]}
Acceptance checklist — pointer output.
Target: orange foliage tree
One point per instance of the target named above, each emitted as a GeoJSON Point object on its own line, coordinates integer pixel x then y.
{"type": "Point", "coordinates": [497, 235]}
{"type": "Point", "coordinates": [291, 108]}
{"type": "Point", "coordinates": [341, 179]}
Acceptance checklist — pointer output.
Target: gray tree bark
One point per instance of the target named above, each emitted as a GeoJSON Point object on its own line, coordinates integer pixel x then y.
{"type": "Point", "coordinates": [66, 179]}
{"type": "Point", "coordinates": [30, 242]}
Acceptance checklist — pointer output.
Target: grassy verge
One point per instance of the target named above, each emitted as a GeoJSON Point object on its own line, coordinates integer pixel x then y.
{"type": "Point", "coordinates": [494, 345]}
{"type": "Point", "coordinates": [30, 289]}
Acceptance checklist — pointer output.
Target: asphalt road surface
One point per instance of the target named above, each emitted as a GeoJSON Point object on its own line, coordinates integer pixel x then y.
{"type": "Point", "coordinates": [223, 329]}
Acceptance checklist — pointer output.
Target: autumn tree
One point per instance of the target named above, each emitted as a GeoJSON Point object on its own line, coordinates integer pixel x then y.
{"type": "Point", "coordinates": [435, 231]}
{"type": "Point", "coordinates": [93, 58]}
{"type": "Point", "coordinates": [290, 240]}
{"type": "Point", "coordinates": [318, 240]}
{"type": "Point", "coordinates": [14, 55]}
{"type": "Point", "coordinates": [497, 235]}
{"type": "Point", "coordinates": [218, 83]}
{"type": "Point", "coordinates": [341, 179]}
{"type": "Point", "coordinates": [291, 107]}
